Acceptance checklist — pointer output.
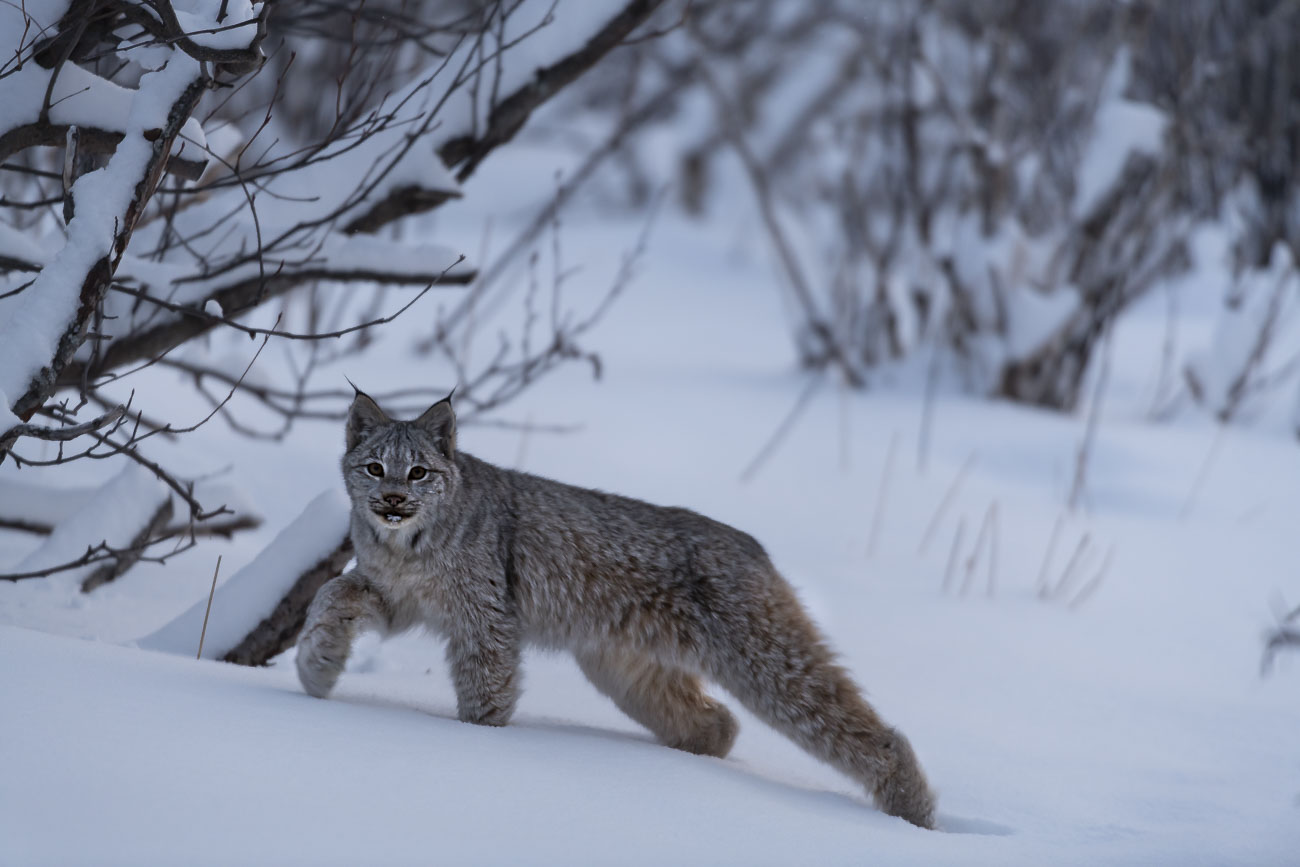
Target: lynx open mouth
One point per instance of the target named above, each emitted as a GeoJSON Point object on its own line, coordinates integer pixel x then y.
{"type": "Point", "coordinates": [392, 518]}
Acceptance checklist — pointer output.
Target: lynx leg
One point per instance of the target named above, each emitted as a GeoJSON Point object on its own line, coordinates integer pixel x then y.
{"type": "Point", "coordinates": [669, 702]}
{"type": "Point", "coordinates": [778, 666]}
{"type": "Point", "coordinates": [343, 607]}
{"type": "Point", "coordinates": [485, 672]}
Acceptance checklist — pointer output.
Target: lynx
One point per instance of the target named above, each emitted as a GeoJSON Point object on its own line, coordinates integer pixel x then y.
{"type": "Point", "coordinates": [651, 601]}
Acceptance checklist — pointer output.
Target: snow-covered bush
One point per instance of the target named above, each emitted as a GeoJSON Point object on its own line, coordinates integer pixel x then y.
{"type": "Point", "coordinates": [997, 181]}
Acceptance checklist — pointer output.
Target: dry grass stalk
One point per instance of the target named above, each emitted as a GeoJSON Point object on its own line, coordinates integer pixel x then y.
{"type": "Point", "coordinates": [952, 554]}
{"type": "Point", "coordinates": [1071, 568]}
{"type": "Point", "coordinates": [987, 531]}
{"type": "Point", "coordinates": [947, 500]}
{"type": "Point", "coordinates": [1086, 591]}
{"type": "Point", "coordinates": [1049, 554]}
{"type": "Point", "coordinates": [204, 632]}
{"type": "Point", "coordinates": [882, 494]}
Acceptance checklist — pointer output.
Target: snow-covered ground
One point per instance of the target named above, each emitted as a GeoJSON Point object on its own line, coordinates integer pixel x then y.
{"type": "Point", "coordinates": [1115, 717]}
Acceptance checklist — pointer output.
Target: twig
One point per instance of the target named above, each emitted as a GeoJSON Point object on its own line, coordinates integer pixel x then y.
{"type": "Point", "coordinates": [203, 633]}
{"type": "Point", "coordinates": [251, 331]}
{"type": "Point", "coordinates": [1071, 567]}
{"type": "Point", "coordinates": [950, 571]}
{"type": "Point", "coordinates": [117, 568]}
{"type": "Point", "coordinates": [947, 500]}
{"type": "Point", "coordinates": [1283, 636]}
{"type": "Point", "coordinates": [1049, 553]}
{"type": "Point", "coordinates": [1088, 589]}
{"type": "Point", "coordinates": [783, 428]}
{"type": "Point", "coordinates": [996, 531]}
{"type": "Point", "coordinates": [1090, 427]}
{"type": "Point", "coordinates": [985, 532]}
{"type": "Point", "coordinates": [846, 425]}
{"type": "Point", "coordinates": [882, 494]}
{"type": "Point", "coordinates": [523, 442]}
{"type": "Point", "coordinates": [1203, 473]}
{"type": "Point", "coordinates": [63, 434]}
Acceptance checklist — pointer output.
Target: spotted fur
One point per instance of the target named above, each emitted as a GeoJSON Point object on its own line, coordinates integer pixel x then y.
{"type": "Point", "coordinates": [649, 600]}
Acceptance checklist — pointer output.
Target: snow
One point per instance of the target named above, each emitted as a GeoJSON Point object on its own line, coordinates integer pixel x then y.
{"type": "Point", "coordinates": [22, 247]}
{"type": "Point", "coordinates": [38, 317]}
{"type": "Point", "coordinates": [1255, 334]}
{"type": "Point", "coordinates": [1122, 127]}
{"type": "Point", "coordinates": [49, 503]}
{"type": "Point", "coordinates": [7, 418]}
{"type": "Point", "coordinates": [113, 513]}
{"type": "Point", "coordinates": [78, 96]}
{"type": "Point", "coordinates": [39, 504]}
{"type": "Point", "coordinates": [248, 596]}
{"type": "Point", "coordinates": [411, 790]}
{"type": "Point", "coordinates": [197, 16]}
{"type": "Point", "coordinates": [1130, 728]}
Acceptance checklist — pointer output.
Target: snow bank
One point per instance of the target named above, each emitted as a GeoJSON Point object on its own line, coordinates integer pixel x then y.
{"type": "Point", "coordinates": [168, 761]}
{"type": "Point", "coordinates": [250, 594]}
{"type": "Point", "coordinates": [113, 513]}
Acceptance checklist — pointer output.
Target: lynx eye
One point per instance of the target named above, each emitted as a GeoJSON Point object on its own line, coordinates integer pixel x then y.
{"type": "Point", "coordinates": [375, 469]}
{"type": "Point", "coordinates": [417, 473]}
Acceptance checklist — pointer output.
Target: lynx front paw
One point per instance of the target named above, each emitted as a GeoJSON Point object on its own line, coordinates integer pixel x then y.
{"type": "Point", "coordinates": [320, 661]}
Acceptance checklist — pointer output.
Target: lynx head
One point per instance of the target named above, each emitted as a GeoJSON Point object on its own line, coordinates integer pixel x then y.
{"type": "Point", "coordinates": [398, 472]}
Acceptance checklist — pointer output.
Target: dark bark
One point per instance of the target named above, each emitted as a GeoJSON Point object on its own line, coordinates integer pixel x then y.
{"type": "Point", "coordinates": [90, 140]}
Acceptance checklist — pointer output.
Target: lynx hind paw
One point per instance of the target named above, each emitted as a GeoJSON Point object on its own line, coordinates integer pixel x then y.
{"type": "Point", "coordinates": [320, 662]}
{"type": "Point", "coordinates": [713, 734]}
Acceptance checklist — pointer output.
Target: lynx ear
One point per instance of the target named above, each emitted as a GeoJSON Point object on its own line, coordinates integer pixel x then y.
{"type": "Point", "coordinates": [440, 421]}
{"type": "Point", "coordinates": [363, 417]}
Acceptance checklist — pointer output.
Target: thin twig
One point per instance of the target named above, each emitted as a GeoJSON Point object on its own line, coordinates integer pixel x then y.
{"type": "Point", "coordinates": [1090, 427]}
{"type": "Point", "coordinates": [1071, 567]}
{"type": "Point", "coordinates": [63, 434]}
{"type": "Point", "coordinates": [1203, 473]}
{"type": "Point", "coordinates": [985, 532]}
{"type": "Point", "coordinates": [1088, 589]}
{"type": "Point", "coordinates": [951, 569]}
{"type": "Point", "coordinates": [783, 428]}
{"type": "Point", "coordinates": [204, 632]}
{"type": "Point", "coordinates": [882, 495]}
{"type": "Point", "coordinates": [947, 500]}
{"type": "Point", "coordinates": [1049, 554]}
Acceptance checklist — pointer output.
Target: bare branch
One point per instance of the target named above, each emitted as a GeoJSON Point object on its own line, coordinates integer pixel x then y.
{"type": "Point", "coordinates": [64, 433]}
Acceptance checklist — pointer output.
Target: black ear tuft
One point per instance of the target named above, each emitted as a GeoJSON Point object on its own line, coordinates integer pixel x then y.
{"type": "Point", "coordinates": [363, 417]}
{"type": "Point", "coordinates": [440, 421]}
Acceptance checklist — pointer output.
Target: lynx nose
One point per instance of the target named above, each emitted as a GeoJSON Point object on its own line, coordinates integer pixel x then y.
{"type": "Point", "coordinates": [394, 499]}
